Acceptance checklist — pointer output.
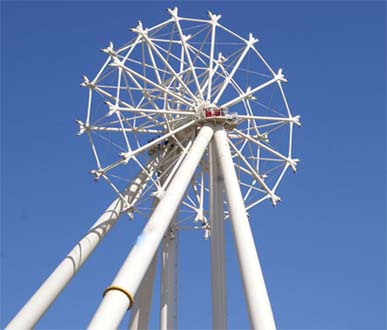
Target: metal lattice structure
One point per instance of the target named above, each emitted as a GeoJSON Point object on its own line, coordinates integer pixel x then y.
{"type": "Point", "coordinates": [182, 113]}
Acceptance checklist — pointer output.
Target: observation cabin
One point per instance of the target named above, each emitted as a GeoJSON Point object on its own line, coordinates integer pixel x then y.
{"type": "Point", "coordinates": [214, 112]}
{"type": "Point", "coordinates": [219, 115]}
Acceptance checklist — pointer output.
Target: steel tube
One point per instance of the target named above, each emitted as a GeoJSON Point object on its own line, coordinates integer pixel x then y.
{"type": "Point", "coordinates": [124, 287]}
{"type": "Point", "coordinates": [139, 318]}
{"type": "Point", "coordinates": [168, 259]}
{"type": "Point", "coordinates": [258, 304]}
{"type": "Point", "coordinates": [43, 298]}
{"type": "Point", "coordinates": [218, 271]}
{"type": "Point", "coordinates": [167, 287]}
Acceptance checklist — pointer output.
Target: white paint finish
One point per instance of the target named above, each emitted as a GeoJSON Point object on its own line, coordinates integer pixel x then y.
{"type": "Point", "coordinates": [139, 317]}
{"type": "Point", "coordinates": [218, 269]}
{"type": "Point", "coordinates": [133, 269]}
{"type": "Point", "coordinates": [168, 255]}
{"type": "Point", "coordinates": [167, 289]}
{"type": "Point", "coordinates": [259, 309]}
{"type": "Point", "coordinates": [115, 305]}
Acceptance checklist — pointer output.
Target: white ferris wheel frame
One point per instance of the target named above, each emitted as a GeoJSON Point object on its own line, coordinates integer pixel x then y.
{"type": "Point", "coordinates": [183, 113]}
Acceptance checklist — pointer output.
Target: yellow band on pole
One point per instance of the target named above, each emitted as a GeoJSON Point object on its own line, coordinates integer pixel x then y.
{"type": "Point", "coordinates": [126, 293]}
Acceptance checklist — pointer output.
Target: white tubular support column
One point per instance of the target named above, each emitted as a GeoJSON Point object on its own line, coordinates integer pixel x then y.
{"type": "Point", "coordinates": [218, 271]}
{"type": "Point", "coordinates": [167, 277]}
{"type": "Point", "coordinates": [139, 318]}
{"type": "Point", "coordinates": [260, 313]}
{"type": "Point", "coordinates": [38, 304]}
{"type": "Point", "coordinates": [167, 289]}
{"type": "Point", "coordinates": [119, 296]}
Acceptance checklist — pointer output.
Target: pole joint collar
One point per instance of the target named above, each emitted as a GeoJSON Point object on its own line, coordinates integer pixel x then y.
{"type": "Point", "coordinates": [126, 293]}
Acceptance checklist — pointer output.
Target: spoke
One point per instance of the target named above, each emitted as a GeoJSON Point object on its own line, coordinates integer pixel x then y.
{"type": "Point", "coordinates": [199, 57]}
{"type": "Point", "coordinates": [263, 60]}
{"type": "Point", "coordinates": [192, 207]}
{"type": "Point", "coordinates": [284, 99]}
{"type": "Point", "coordinates": [156, 69]}
{"type": "Point", "coordinates": [140, 31]}
{"type": "Point", "coordinates": [251, 169]}
{"type": "Point", "coordinates": [232, 33]}
{"type": "Point", "coordinates": [250, 92]}
{"type": "Point", "coordinates": [250, 43]}
{"type": "Point", "coordinates": [124, 200]}
{"type": "Point", "coordinates": [193, 20]}
{"type": "Point", "coordinates": [101, 70]}
{"type": "Point", "coordinates": [127, 155]}
{"type": "Point", "coordinates": [183, 39]}
{"type": "Point", "coordinates": [192, 201]}
{"type": "Point", "coordinates": [214, 20]}
{"type": "Point", "coordinates": [156, 111]}
{"type": "Point", "coordinates": [129, 46]}
{"type": "Point", "coordinates": [158, 86]}
{"type": "Point", "coordinates": [104, 93]}
{"type": "Point", "coordinates": [248, 207]}
{"type": "Point", "coordinates": [123, 131]}
{"type": "Point", "coordinates": [280, 177]}
{"type": "Point", "coordinates": [109, 141]}
{"type": "Point", "coordinates": [135, 43]}
{"type": "Point", "coordinates": [243, 169]}
{"type": "Point", "coordinates": [202, 189]}
{"type": "Point", "coordinates": [291, 162]}
{"type": "Point", "coordinates": [251, 188]}
{"type": "Point", "coordinates": [290, 140]}
{"type": "Point", "coordinates": [94, 149]}
{"type": "Point", "coordinates": [277, 119]}
{"type": "Point", "coordinates": [148, 174]}
{"type": "Point", "coordinates": [118, 114]}
{"type": "Point", "coordinates": [131, 60]}
{"type": "Point", "coordinates": [246, 102]}
{"type": "Point", "coordinates": [159, 26]}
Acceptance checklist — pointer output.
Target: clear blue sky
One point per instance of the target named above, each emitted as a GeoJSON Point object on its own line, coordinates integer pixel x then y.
{"type": "Point", "coordinates": [323, 249]}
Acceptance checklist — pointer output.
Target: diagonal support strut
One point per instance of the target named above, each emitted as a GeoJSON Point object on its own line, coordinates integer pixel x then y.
{"type": "Point", "coordinates": [258, 304]}
{"type": "Point", "coordinates": [218, 260]}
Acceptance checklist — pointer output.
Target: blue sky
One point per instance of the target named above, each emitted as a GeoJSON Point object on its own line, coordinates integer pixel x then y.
{"type": "Point", "coordinates": [323, 249]}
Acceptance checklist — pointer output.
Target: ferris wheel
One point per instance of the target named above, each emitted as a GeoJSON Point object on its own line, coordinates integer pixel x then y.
{"type": "Point", "coordinates": [186, 113]}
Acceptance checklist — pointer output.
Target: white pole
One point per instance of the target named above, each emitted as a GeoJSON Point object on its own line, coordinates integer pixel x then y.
{"type": "Point", "coordinates": [218, 271]}
{"type": "Point", "coordinates": [119, 296]}
{"type": "Point", "coordinates": [38, 304]}
{"type": "Point", "coordinates": [139, 318]}
{"type": "Point", "coordinates": [167, 278]}
{"type": "Point", "coordinates": [167, 292]}
{"type": "Point", "coordinates": [260, 313]}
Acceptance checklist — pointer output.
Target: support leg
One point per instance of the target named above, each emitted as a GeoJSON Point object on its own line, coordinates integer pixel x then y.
{"type": "Point", "coordinates": [260, 313]}
{"type": "Point", "coordinates": [38, 304]}
{"type": "Point", "coordinates": [167, 293]}
{"type": "Point", "coordinates": [119, 296]}
{"type": "Point", "coordinates": [218, 272]}
{"type": "Point", "coordinates": [167, 277]}
{"type": "Point", "coordinates": [139, 318]}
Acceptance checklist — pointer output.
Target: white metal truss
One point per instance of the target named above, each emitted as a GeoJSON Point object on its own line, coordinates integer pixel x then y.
{"type": "Point", "coordinates": [153, 108]}
{"type": "Point", "coordinates": [151, 90]}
